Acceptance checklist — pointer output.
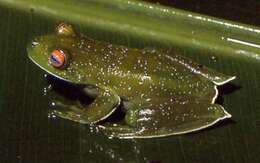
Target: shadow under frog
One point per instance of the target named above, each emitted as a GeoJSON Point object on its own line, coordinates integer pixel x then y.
{"type": "Point", "coordinates": [161, 94]}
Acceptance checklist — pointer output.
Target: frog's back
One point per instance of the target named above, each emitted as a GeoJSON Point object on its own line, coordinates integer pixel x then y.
{"type": "Point", "coordinates": [133, 71]}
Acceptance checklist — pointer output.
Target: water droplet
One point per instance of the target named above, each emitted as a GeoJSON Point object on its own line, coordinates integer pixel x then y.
{"type": "Point", "coordinates": [214, 58]}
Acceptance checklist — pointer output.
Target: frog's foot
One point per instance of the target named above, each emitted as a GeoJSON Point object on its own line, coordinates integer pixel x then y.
{"type": "Point", "coordinates": [165, 119]}
{"type": "Point", "coordinates": [104, 104]}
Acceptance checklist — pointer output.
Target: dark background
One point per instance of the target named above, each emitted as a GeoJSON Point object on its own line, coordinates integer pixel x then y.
{"type": "Point", "coordinates": [241, 11]}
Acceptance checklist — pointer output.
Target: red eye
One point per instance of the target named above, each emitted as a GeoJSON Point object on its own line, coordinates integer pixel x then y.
{"type": "Point", "coordinates": [57, 58]}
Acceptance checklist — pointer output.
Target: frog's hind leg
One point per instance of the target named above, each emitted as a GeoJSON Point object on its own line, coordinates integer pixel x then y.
{"type": "Point", "coordinates": [212, 75]}
{"type": "Point", "coordinates": [104, 104]}
{"type": "Point", "coordinates": [162, 117]}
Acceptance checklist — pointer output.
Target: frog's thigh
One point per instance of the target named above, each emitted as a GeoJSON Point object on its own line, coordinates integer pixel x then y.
{"type": "Point", "coordinates": [162, 118]}
{"type": "Point", "coordinates": [212, 75]}
{"type": "Point", "coordinates": [104, 104]}
{"type": "Point", "coordinates": [126, 128]}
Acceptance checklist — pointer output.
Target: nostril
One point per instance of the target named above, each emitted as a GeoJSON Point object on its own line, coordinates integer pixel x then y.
{"type": "Point", "coordinates": [34, 43]}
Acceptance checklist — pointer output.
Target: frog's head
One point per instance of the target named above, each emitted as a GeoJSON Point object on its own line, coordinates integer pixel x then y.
{"type": "Point", "coordinates": [52, 53]}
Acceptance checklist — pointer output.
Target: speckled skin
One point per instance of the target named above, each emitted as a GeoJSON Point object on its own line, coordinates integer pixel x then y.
{"type": "Point", "coordinates": [165, 94]}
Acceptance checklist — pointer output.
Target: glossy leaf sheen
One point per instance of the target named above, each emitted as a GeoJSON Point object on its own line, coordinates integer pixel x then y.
{"type": "Point", "coordinates": [149, 21]}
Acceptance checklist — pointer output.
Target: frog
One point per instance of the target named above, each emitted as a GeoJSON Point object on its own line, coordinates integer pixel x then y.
{"type": "Point", "coordinates": [161, 93]}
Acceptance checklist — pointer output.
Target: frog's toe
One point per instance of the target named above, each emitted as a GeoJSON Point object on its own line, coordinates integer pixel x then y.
{"type": "Point", "coordinates": [71, 116]}
{"type": "Point", "coordinates": [118, 131]}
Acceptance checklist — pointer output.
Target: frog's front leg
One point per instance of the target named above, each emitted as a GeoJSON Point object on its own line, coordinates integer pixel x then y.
{"type": "Point", "coordinates": [104, 104]}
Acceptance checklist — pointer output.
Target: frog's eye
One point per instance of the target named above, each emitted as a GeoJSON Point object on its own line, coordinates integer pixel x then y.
{"type": "Point", "coordinates": [58, 58]}
{"type": "Point", "coordinates": [65, 29]}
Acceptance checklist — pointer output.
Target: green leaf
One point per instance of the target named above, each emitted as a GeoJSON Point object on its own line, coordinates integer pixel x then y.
{"type": "Point", "coordinates": [28, 135]}
{"type": "Point", "coordinates": [148, 21]}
